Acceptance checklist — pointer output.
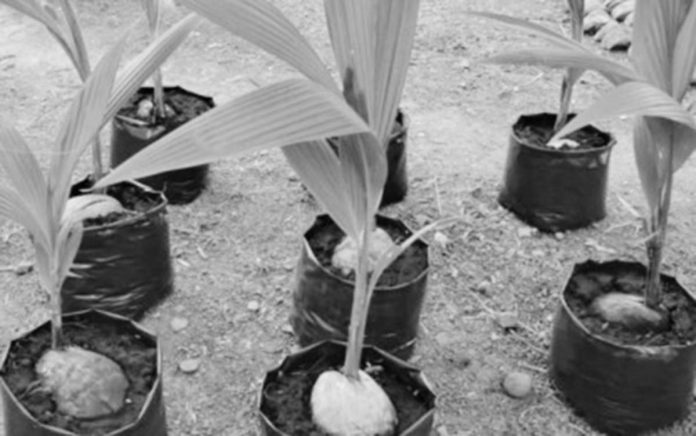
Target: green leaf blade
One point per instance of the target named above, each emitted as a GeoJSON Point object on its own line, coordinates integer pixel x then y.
{"type": "Point", "coordinates": [363, 170]}
{"type": "Point", "coordinates": [396, 24]}
{"type": "Point", "coordinates": [654, 34]}
{"type": "Point", "coordinates": [262, 24]}
{"type": "Point", "coordinates": [575, 59]}
{"type": "Point", "coordinates": [282, 114]}
{"type": "Point", "coordinates": [318, 167]}
{"type": "Point", "coordinates": [24, 173]}
{"type": "Point", "coordinates": [684, 57]}
{"type": "Point", "coordinates": [631, 98]}
{"type": "Point", "coordinates": [81, 125]}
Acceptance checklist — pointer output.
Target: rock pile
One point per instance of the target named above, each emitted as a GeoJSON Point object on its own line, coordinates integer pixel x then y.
{"type": "Point", "coordinates": [610, 22]}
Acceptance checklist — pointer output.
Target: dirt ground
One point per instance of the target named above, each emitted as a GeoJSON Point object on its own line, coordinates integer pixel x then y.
{"type": "Point", "coordinates": [236, 247]}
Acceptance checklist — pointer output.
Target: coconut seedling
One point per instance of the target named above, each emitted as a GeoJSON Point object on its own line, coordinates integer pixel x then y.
{"type": "Point", "coordinates": [663, 58]}
{"type": "Point", "coordinates": [554, 185]}
{"type": "Point", "coordinates": [84, 384]}
{"type": "Point", "coordinates": [664, 135]}
{"type": "Point", "coordinates": [348, 183]}
{"type": "Point", "coordinates": [633, 307]}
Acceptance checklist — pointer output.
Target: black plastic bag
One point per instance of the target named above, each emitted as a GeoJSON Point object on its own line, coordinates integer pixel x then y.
{"type": "Point", "coordinates": [322, 299]}
{"type": "Point", "coordinates": [620, 389]}
{"type": "Point", "coordinates": [123, 267]}
{"type": "Point", "coordinates": [129, 136]}
{"type": "Point", "coordinates": [555, 190]}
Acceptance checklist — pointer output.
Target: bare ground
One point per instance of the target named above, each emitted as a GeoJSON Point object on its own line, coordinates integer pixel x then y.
{"type": "Point", "coordinates": [238, 244]}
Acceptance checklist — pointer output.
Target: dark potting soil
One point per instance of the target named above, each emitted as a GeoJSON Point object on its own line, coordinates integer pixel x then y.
{"type": "Point", "coordinates": [182, 107]}
{"type": "Point", "coordinates": [412, 262]}
{"type": "Point", "coordinates": [136, 356]}
{"type": "Point", "coordinates": [681, 311]}
{"type": "Point", "coordinates": [134, 199]}
{"type": "Point", "coordinates": [538, 134]}
{"type": "Point", "coordinates": [287, 399]}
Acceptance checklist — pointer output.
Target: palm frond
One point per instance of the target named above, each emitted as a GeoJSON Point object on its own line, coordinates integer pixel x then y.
{"type": "Point", "coordinates": [262, 24]}
{"type": "Point", "coordinates": [631, 98]}
{"type": "Point", "coordinates": [82, 123]}
{"type": "Point", "coordinates": [24, 174]}
{"type": "Point", "coordinates": [319, 169]}
{"type": "Point", "coordinates": [563, 58]}
{"type": "Point", "coordinates": [684, 57]}
{"type": "Point", "coordinates": [363, 170]}
{"type": "Point", "coordinates": [282, 114]}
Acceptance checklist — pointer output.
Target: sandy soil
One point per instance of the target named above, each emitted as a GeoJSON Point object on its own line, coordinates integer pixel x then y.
{"type": "Point", "coordinates": [236, 247]}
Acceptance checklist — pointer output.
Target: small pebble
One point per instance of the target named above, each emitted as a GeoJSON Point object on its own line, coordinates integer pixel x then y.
{"type": "Point", "coordinates": [525, 232]}
{"type": "Point", "coordinates": [559, 235]}
{"type": "Point", "coordinates": [177, 324]}
{"type": "Point", "coordinates": [444, 339]}
{"type": "Point", "coordinates": [254, 306]}
{"type": "Point", "coordinates": [518, 384]}
{"type": "Point", "coordinates": [287, 328]}
{"type": "Point", "coordinates": [189, 366]}
{"type": "Point", "coordinates": [461, 359]}
{"type": "Point", "coordinates": [507, 320]}
{"type": "Point", "coordinates": [441, 239]}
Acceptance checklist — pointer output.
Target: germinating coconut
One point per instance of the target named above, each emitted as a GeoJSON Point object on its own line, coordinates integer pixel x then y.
{"type": "Point", "coordinates": [629, 311]}
{"type": "Point", "coordinates": [89, 206]}
{"type": "Point", "coordinates": [84, 384]}
{"type": "Point", "coordinates": [342, 406]}
{"type": "Point", "coordinates": [345, 255]}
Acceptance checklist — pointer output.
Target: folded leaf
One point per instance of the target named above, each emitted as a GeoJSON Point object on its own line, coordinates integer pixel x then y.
{"type": "Point", "coordinates": [262, 24]}
{"type": "Point", "coordinates": [82, 123]}
{"type": "Point", "coordinates": [13, 207]}
{"type": "Point", "coordinates": [318, 167]}
{"type": "Point", "coordinates": [75, 33]}
{"type": "Point", "coordinates": [24, 174]}
{"type": "Point", "coordinates": [567, 58]}
{"type": "Point", "coordinates": [352, 28]}
{"type": "Point", "coordinates": [558, 40]}
{"type": "Point", "coordinates": [647, 140]}
{"type": "Point", "coordinates": [395, 28]}
{"type": "Point", "coordinates": [631, 98]}
{"type": "Point", "coordinates": [655, 30]}
{"type": "Point", "coordinates": [68, 243]}
{"type": "Point", "coordinates": [282, 114]}
{"type": "Point", "coordinates": [683, 143]}
{"type": "Point", "coordinates": [684, 57]}
{"type": "Point", "coordinates": [364, 170]}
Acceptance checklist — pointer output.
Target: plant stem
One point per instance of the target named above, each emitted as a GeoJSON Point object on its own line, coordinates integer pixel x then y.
{"type": "Point", "coordinates": [158, 94]}
{"type": "Point", "coordinates": [97, 168]}
{"type": "Point", "coordinates": [359, 310]}
{"type": "Point", "coordinates": [56, 314]}
{"type": "Point", "coordinates": [577, 12]}
{"type": "Point", "coordinates": [564, 107]}
{"type": "Point", "coordinates": [80, 57]}
{"type": "Point", "coordinates": [152, 8]}
{"type": "Point", "coordinates": [658, 229]}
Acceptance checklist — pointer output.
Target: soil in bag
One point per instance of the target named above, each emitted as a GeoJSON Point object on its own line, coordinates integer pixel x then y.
{"type": "Point", "coordinates": [680, 310]}
{"type": "Point", "coordinates": [136, 356]}
{"type": "Point", "coordinates": [287, 399]}
{"type": "Point", "coordinates": [407, 267]}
